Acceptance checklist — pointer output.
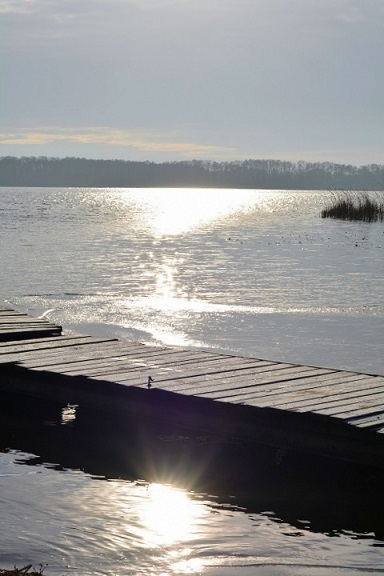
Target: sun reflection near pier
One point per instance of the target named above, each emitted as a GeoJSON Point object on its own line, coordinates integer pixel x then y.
{"type": "Point", "coordinates": [158, 523]}
{"type": "Point", "coordinates": [169, 515]}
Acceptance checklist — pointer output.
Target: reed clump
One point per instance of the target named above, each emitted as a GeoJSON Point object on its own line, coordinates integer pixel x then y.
{"type": "Point", "coordinates": [362, 208]}
{"type": "Point", "coordinates": [26, 571]}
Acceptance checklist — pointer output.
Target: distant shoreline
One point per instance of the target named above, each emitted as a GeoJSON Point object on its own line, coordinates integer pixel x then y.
{"type": "Point", "coordinates": [246, 174]}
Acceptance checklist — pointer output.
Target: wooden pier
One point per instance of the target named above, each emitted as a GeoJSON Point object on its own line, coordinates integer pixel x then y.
{"type": "Point", "coordinates": [333, 413]}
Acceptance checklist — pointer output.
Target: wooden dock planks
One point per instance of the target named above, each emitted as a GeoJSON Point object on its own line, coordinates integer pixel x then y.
{"type": "Point", "coordinates": [351, 398]}
{"type": "Point", "coordinates": [18, 326]}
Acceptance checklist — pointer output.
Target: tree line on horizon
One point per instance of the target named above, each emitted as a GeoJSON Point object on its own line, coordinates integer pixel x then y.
{"type": "Point", "coordinates": [252, 174]}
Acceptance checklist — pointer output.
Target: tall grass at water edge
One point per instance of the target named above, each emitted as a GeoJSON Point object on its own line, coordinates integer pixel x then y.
{"type": "Point", "coordinates": [22, 571]}
{"type": "Point", "coordinates": [363, 208]}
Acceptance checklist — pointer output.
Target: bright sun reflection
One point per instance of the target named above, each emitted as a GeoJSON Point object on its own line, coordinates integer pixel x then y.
{"type": "Point", "coordinates": [151, 522]}
{"type": "Point", "coordinates": [169, 515]}
{"type": "Point", "coordinates": [171, 211]}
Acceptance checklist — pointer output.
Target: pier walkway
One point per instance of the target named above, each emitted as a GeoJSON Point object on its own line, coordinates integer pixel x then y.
{"type": "Point", "coordinates": [335, 412]}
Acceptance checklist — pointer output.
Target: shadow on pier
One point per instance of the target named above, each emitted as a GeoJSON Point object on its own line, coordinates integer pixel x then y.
{"type": "Point", "coordinates": [332, 496]}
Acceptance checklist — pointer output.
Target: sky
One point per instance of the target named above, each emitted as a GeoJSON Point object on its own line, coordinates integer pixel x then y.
{"type": "Point", "coordinates": [170, 80]}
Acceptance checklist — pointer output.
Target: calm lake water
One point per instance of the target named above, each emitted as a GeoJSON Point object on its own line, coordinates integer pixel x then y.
{"type": "Point", "coordinates": [250, 272]}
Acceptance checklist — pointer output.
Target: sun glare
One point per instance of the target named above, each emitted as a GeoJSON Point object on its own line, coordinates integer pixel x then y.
{"type": "Point", "coordinates": [175, 211]}
{"type": "Point", "coordinates": [169, 515]}
{"type": "Point", "coordinates": [153, 520]}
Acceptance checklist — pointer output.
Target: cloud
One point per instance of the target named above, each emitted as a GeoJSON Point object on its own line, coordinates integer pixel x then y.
{"type": "Point", "coordinates": [119, 138]}
{"type": "Point", "coordinates": [182, 78]}
{"type": "Point", "coordinates": [104, 142]}
{"type": "Point", "coordinates": [18, 6]}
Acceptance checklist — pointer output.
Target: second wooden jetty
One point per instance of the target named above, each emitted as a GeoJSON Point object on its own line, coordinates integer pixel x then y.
{"type": "Point", "coordinates": [19, 326]}
{"type": "Point", "coordinates": [335, 413]}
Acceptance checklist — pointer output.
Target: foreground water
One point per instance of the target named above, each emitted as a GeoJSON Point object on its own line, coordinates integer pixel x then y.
{"type": "Point", "coordinates": [251, 272]}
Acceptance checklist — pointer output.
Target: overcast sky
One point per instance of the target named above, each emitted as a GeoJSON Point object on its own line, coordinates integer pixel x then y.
{"type": "Point", "coordinates": [182, 79]}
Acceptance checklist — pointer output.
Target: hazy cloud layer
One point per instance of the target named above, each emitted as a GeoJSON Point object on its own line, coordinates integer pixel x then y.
{"type": "Point", "coordinates": [157, 143]}
{"type": "Point", "coordinates": [238, 78]}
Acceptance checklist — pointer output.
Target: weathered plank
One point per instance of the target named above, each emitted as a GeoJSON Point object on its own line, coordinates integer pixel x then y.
{"type": "Point", "coordinates": [135, 375]}
{"type": "Point", "coordinates": [281, 386]}
{"type": "Point", "coordinates": [373, 397]}
{"type": "Point", "coordinates": [82, 351]}
{"type": "Point", "coordinates": [18, 320]}
{"type": "Point", "coordinates": [374, 421]}
{"type": "Point", "coordinates": [117, 360]}
{"type": "Point", "coordinates": [327, 395]}
{"type": "Point", "coordinates": [202, 381]}
{"type": "Point", "coordinates": [41, 343]}
{"type": "Point", "coordinates": [16, 326]}
{"type": "Point", "coordinates": [228, 390]}
{"type": "Point", "coordinates": [357, 408]}
{"type": "Point", "coordinates": [300, 388]}
{"type": "Point", "coordinates": [178, 375]}
{"type": "Point", "coordinates": [5, 312]}
{"type": "Point", "coordinates": [43, 347]}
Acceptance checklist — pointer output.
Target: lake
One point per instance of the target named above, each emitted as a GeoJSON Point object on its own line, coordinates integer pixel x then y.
{"type": "Point", "coordinates": [251, 272]}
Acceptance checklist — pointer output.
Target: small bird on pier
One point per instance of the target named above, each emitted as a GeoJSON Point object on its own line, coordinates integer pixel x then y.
{"type": "Point", "coordinates": [149, 383]}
